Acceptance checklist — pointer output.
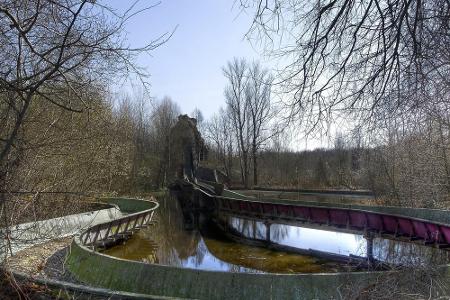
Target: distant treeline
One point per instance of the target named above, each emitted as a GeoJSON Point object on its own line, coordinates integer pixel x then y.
{"type": "Point", "coordinates": [408, 170]}
{"type": "Point", "coordinates": [115, 146]}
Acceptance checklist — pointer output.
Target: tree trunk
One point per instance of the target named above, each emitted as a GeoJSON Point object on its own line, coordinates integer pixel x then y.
{"type": "Point", "coordinates": [443, 147]}
{"type": "Point", "coordinates": [245, 169]}
{"type": "Point", "coordinates": [255, 166]}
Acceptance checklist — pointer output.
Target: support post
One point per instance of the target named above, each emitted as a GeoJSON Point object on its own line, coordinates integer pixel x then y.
{"type": "Point", "coordinates": [267, 231]}
{"type": "Point", "coordinates": [369, 238]}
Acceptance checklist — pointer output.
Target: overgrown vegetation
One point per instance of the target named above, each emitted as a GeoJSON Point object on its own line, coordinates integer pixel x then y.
{"type": "Point", "coordinates": [407, 169]}
{"type": "Point", "coordinates": [380, 66]}
{"type": "Point", "coordinates": [377, 71]}
{"type": "Point", "coordinates": [61, 128]}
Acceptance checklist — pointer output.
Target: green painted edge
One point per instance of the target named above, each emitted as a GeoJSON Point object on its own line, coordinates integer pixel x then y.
{"type": "Point", "coordinates": [108, 272]}
{"type": "Point", "coordinates": [117, 274]}
{"type": "Point", "coordinates": [428, 214]}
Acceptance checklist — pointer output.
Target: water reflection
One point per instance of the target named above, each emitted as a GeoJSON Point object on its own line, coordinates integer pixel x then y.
{"type": "Point", "coordinates": [168, 243]}
{"type": "Point", "coordinates": [408, 254]}
{"type": "Point", "coordinates": [395, 252]}
{"type": "Point", "coordinates": [301, 237]}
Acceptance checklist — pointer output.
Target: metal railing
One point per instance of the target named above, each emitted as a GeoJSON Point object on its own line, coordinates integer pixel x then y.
{"type": "Point", "coordinates": [383, 224]}
{"type": "Point", "coordinates": [118, 229]}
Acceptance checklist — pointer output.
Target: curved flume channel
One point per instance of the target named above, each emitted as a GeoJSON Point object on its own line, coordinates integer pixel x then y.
{"type": "Point", "coordinates": [206, 248]}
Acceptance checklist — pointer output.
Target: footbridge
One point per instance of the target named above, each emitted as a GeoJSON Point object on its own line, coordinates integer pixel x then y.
{"type": "Point", "coordinates": [426, 226]}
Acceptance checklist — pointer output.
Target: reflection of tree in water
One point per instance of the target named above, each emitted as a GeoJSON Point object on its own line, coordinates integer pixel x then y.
{"type": "Point", "coordinates": [257, 229]}
{"type": "Point", "coordinates": [136, 248]}
{"type": "Point", "coordinates": [279, 232]}
{"type": "Point", "coordinates": [175, 245]}
{"type": "Point", "coordinates": [200, 254]}
{"type": "Point", "coordinates": [235, 257]}
{"type": "Point", "coordinates": [168, 243]}
{"type": "Point", "coordinates": [361, 241]}
{"type": "Point", "coordinates": [394, 252]}
{"type": "Point", "coordinates": [248, 228]}
{"type": "Point", "coordinates": [408, 254]}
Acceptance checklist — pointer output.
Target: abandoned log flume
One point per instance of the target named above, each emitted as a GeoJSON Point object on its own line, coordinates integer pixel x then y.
{"type": "Point", "coordinates": [118, 230]}
{"type": "Point", "coordinates": [430, 227]}
{"type": "Point", "coordinates": [129, 214]}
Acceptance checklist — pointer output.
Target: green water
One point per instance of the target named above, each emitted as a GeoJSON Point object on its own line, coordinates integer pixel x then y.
{"type": "Point", "coordinates": [169, 243]}
{"type": "Point", "coordinates": [214, 254]}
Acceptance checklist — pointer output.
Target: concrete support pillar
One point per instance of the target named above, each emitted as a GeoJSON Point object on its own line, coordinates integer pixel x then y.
{"type": "Point", "coordinates": [369, 238]}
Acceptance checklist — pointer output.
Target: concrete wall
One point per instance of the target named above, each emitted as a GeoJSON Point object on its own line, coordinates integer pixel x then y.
{"type": "Point", "coordinates": [319, 191]}
{"type": "Point", "coordinates": [117, 274]}
{"type": "Point", "coordinates": [129, 205]}
{"type": "Point", "coordinates": [28, 234]}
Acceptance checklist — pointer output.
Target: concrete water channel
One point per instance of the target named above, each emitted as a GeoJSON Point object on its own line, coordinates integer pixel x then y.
{"type": "Point", "coordinates": [186, 258]}
{"type": "Point", "coordinates": [206, 247]}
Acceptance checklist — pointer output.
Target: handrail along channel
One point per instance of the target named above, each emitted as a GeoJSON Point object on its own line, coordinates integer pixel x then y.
{"type": "Point", "coordinates": [117, 229]}
{"type": "Point", "coordinates": [389, 225]}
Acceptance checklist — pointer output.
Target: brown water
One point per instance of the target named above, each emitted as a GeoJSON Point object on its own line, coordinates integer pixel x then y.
{"type": "Point", "coordinates": [206, 248]}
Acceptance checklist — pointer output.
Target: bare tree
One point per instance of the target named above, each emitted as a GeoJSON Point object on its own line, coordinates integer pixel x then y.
{"type": "Point", "coordinates": [238, 106]}
{"type": "Point", "coordinates": [198, 115]}
{"type": "Point", "coordinates": [258, 96]}
{"type": "Point", "coordinates": [57, 60]}
{"type": "Point", "coordinates": [219, 132]}
{"type": "Point", "coordinates": [163, 119]}
{"type": "Point", "coordinates": [54, 50]}
{"type": "Point", "coordinates": [248, 103]}
{"type": "Point", "coordinates": [357, 57]}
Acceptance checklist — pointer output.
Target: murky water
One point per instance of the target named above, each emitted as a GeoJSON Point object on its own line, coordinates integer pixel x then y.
{"type": "Point", "coordinates": [207, 248]}
{"type": "Point", "coordinates": [396, 252]}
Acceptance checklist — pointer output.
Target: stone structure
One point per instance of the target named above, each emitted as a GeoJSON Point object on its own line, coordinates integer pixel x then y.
{"type": "Point", "coordinates": [187, 147]}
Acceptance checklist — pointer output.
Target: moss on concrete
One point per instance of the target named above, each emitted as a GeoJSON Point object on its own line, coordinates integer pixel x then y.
{"type": "Point", "coordinates": [117, 274]}
{"type": "Point", "coordinates": [129, 205]}
{"type": "Point", "coordinates": [108, 272]}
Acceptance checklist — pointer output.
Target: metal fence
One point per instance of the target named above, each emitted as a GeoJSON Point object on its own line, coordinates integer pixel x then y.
{"type": "Point", "coordinates": [104, 234]}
